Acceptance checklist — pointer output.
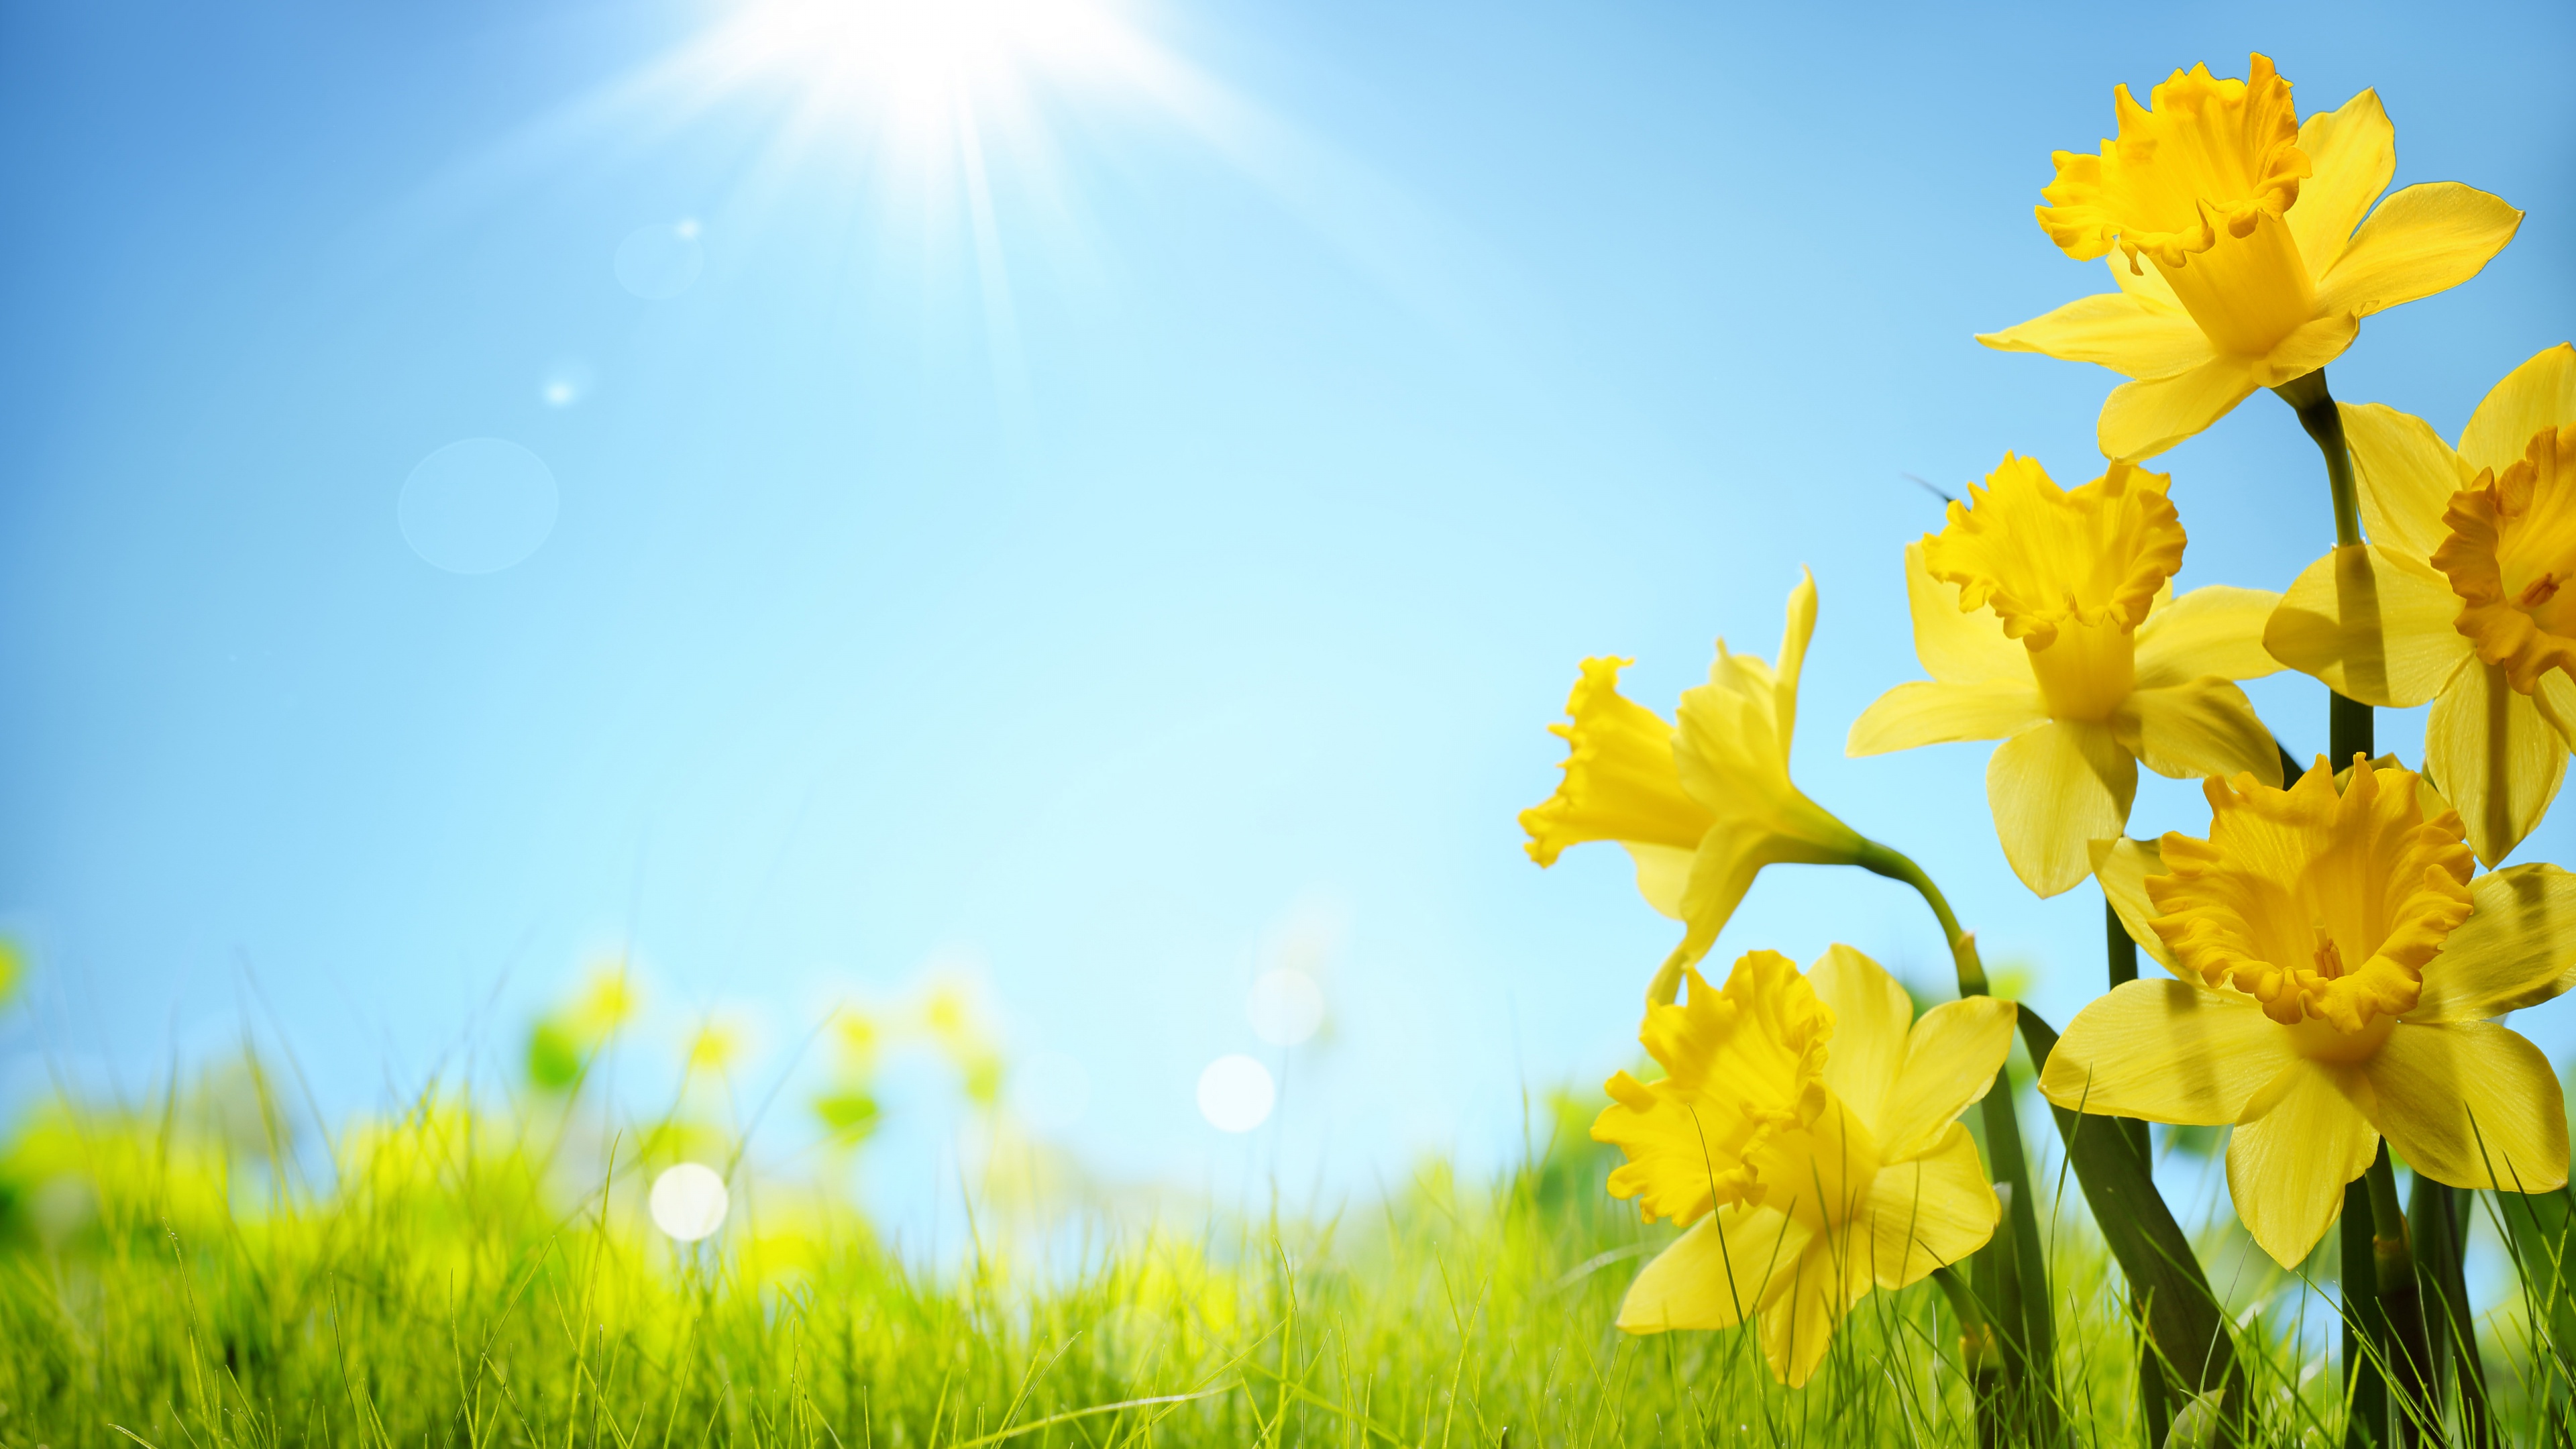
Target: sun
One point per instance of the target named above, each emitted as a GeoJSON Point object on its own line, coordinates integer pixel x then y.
{"type": "Point", "coordinates": [924, 61]}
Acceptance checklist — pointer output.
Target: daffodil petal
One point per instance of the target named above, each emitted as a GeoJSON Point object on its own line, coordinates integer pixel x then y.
{"type": "Point", "coordinates": [2316, 342]}
{"type": "Point", "coordinates": [2138, 279]}
{"type": "Point", "coordinates": [2166, 1051]}
{"type": "Point", "coordinates": [2143, 418]}
{"type": "Point", "coordinates": [2424, 239]}
{"type": "Point", "coordinates": [2407, 476]}
{"type": "Point", "coordinates": [2517, 948]}
{"type": "Point", "coordinates": [2191, 731]}
{"type": "Point", "coordinates": [2131, 335]}
{"type": "Point", "coordinates": [1951, 1057]}
{"type": "Point", "coordinates": [2054, 790]}
{"type": "Point", "coordinates": [2352, 152]}
{"type": "Point", "coordinates": [2121, 866]}
{"type": "Point", "coordinates": [1957, 647]}
{"type": "Point", "coordinates": [2216, 630]}
{"type": "Point", "coordinates": [2471, 1104]}
{"type": "Point", "coordinates": [1933, 1210]}
{"type": "Point", "coordinates": [2541, 393]}
{"type": "Point", "coordinates": [1728, 1267]}
{"type": "Point", "coordinates": [2372, 624]}
{"type": "Point", "coordinates": [1926, 713]}
{"type": "Point", "coordinates": [1797, 1330]}
{"type": "Point", "coordinates": [2496, 758]}
{"type": "Point", "coordinates": [1872, 1015]}
{"type": "Point", "coordinates": [1663, 871]}
{"type": "Point", "coordinates": [2287, 1166]}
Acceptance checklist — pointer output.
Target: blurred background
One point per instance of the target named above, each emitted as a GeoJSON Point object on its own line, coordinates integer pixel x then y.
{"type": "Point", "coordinates": [1030, 545]}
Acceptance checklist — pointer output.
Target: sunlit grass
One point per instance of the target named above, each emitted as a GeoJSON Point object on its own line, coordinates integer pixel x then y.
{"type": "Point", "coordinates": [182, 1274]}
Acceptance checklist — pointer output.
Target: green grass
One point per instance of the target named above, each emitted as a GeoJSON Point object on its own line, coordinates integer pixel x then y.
{"type": "Point", "coordinates": [180, 1277]}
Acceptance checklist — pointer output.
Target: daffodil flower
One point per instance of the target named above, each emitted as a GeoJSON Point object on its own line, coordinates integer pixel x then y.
{"type": "Point", "coordinates": [2249, 218]}
{"type": "Point", "coordinates": [2046, 620]}
{"type": "Point", "coordinates": [1703, 805]}
{"type": "Point", "coordinates": [2460, 595]}
{"type": "Point", "coordinates": [1807, 1128]}
{"type": "Point", "coordinates": [2340, 969]}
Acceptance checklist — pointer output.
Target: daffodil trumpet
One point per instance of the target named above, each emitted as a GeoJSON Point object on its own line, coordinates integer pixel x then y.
{"type": "Point", "coordinates": [2047, 620]}
{"type": "Point", "coordinates": [2244, 245]}
{"type": "Point", "coordinates": [2454, 593]}
{"type": "Point", "coordinates": [1806, 1133]}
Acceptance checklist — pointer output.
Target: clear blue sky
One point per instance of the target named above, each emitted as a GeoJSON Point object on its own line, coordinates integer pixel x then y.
{"type": "Point", "coordinates": [1187, 532]}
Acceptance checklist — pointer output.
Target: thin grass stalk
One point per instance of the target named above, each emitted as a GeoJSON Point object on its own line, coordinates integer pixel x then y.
{"type": "Point", "coordinates": [2155, 1411]}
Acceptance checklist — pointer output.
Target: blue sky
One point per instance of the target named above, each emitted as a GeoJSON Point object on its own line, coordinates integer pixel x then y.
{"type": "Point", "coordinates": [1171, 545]}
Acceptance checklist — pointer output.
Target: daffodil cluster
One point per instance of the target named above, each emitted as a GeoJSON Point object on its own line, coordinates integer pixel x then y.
{"type": "Point", "coordinates": [2337, 961]}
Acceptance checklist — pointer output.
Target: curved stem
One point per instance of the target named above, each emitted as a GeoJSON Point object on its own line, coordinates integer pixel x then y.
{"type": "Point", "coordinates": [1894, 864]}
{"type": "Point", "coordinates": [2324, 422]}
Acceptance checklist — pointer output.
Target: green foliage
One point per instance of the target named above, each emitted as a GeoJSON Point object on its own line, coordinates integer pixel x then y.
{"type": "Point", "coordinates": [554, 1057]}
{"type": "Point", "coordinates": [459, 1277]}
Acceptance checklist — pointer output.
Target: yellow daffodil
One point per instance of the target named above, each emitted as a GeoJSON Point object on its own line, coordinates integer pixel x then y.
{"type": "Point", "coordinates": [2046, 620]}
{"type": "Point", "coordinates": [2459, 597]}
{"type": "Point", "coordinates": [2249, 220]}
{"type": "Point", "coordinates": [1701, 806]}
{"type": "Point", "coordinates": [2340, 968]}
{"type": "Point", "coordinates": [1807, 1127]}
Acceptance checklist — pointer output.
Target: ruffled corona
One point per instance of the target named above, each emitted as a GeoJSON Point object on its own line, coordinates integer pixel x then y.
{"type": "Point", "coordinates": [1742, 1067]}
{"type": "Point", "coordinates": [2244, 245]}
{"type": "Point", "coordinates": [2321, 905]}
{"type": "Point", "coordinates": [1620, 781]}
{"type": "Point", "coordinates": [2511, 558]}
{"type": "Point", "coordinates": [1807, 1130]}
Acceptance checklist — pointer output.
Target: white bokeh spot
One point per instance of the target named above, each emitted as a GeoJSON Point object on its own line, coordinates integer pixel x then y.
{"type": "Point", "coordinates": [1236, 1093]}
{"type": "Point", "coordinates": [689, 1202]}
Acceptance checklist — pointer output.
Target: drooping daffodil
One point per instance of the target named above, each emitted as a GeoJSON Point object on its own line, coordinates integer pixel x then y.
{"type": "Point", "coordinates": [1807, 1129]}
{"type": "Point", "coordinates": [2237, 238]}
{"type": "Point", "coordinates": [2339, 968]}
{"type": "Point", "coordinates": [2461, 594]}
{"type": "Point", "coordinates": [2046, 620]}
{"type": "Point", "coordinates": [1702, 804]}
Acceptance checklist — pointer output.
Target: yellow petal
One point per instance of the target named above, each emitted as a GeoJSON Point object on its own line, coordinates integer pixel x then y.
{"type": "Point", "coordinates": [1728, 1267]}
{"type": "Point", "coordinates": [2122, 866]}
{"type": "Point", "coordinates": [2472, 1104]}
{"type": "Point", "coordinates": [1924, 713]}
{"type": "Point", "coordinates": [2166, 1051]}
{"type": "Point", "coordinates": [2541, 393]}
{"type": "Point", "coordinates": [1957, 647]}
{"type": "Point", "coordinates": [1872, 1015]}
{"type": "Point", "coordinates": [2311, 345]}
{"type": "Point", "coordinates": [2372, 624]}
{"type": "Point", "coordinates": [2141, 419]}
{"type": "Point", "coordinates": [2517, 948]}
{"type": "Point", "coordinates": [1798, 1329]}
{"type": "Point", "coordinates": [2126, 333]}
{"type": "Point", "coordinates": [2054, 790]}
{"type": "Point", "coordinates": [2351, 152]}
{"type": "Point", "coordinates": [1951, 1058]}
{"type": "Point", "coordinates": [2424, 239]}
{"type": "Point", "coordinates": [1663, 871]}
{"type": "Point", "coordinates": [2287, 1164]}
{"type": "Point", "coordinates": [2407, 475]}
{"type": "Point", "coordinates": [2190, 731]}
{"type": "Point", "coordinates": [2495, 757]}
{"type": "Point", "coordinates": [2139, 280]}
{"type": "Point", "coordinates": [1930, 1211]}
{"type": "Point", "coordinates": [2215, 630]}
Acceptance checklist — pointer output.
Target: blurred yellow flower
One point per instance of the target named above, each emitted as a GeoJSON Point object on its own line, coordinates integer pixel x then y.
{"type": "Point", "coordinates": [1701, 806]}
{"type": "Point", "coordinates": [2459, 597]}
{"type": "Point", "coordinates": [608, 1001]}
{"type": "Point", "coordinates": [2263, 263]}
{"type": "Point", "coordinates": [1807, 1126]}
{"type": "Point", "coordinates": [2046, 620]}
{"type": "Point", "coordinates": [2340, 968]}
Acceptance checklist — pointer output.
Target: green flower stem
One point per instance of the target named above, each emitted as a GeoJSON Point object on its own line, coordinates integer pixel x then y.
{"type": "Point", "coordinates": [2365, 1335]}
{"type": "Point", "coordinates": [2401, 1301]}
{"type": "Point", "coordinates": [2155, 1411]}
{"type": "Point", "coordinates": [2018, 1285]}
{"type": "Point", "coordinates": [2436, 1215]}
{"type": "Point", "coordinates": [2324, 422]}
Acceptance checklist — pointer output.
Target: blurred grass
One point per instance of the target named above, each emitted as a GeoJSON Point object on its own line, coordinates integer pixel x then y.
{"type": "Point", "coordinates": [190, 1274]}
